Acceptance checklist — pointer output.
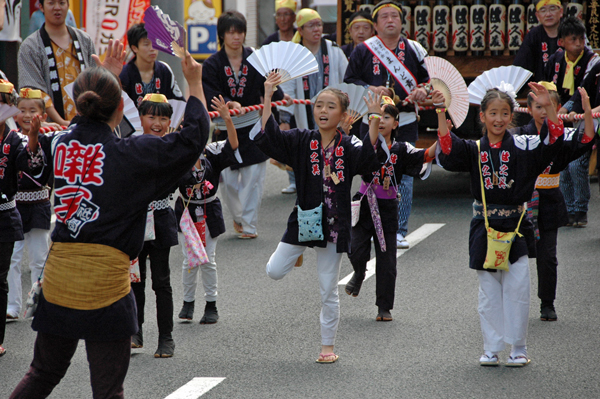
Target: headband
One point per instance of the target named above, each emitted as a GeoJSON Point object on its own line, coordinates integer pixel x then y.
{"type": "Point", "coordinates": [305, 15]}
{"type": "Point", "coordinates": [376, 10]}
{"type": "Point", "coordinates": [548, 85]}
{"type": "Point", "coordinates": [291, 4]}
{"type": "Point", "coordinates": [544, 3]}
{"type": "Point", "coordinates": [6, 86]}
{"type": "Point", "coordinates": [361, 19]}
{"type": "Point", "coordinates": [155, 98]}
{"type": "Point", "coordinates": [31, 94]}
{"type": "Point", "coordinates": [385, 100]}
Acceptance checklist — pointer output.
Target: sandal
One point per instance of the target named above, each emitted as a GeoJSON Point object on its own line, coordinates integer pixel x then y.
{"type": "Point", "coordinates": [517, 361]}
{"type": "Point", "coordinates": [486, 360]}
{"type": "Point", "coordinates": [248, 235]}
{"type": "Point", "coordinates": [238, 227]}
{"type": "Point", "coordinates": [2, 351]}
{"type": "Point", "coordinates": [137, 340]}
{"type": "Point", "coordinates": [325, 358]}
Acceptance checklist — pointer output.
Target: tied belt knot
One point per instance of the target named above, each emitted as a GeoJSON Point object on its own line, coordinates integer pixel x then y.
{"type": "Point", "coordinates": [36, 196]}
{"type": "Point", "coordinates": [495, 211]}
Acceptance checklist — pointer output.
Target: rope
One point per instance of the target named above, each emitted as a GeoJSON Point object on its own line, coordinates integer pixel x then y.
{"type": "Point", "coordinates": [250, 108]}
{"type": "Point", "coordinates": [578, 117]}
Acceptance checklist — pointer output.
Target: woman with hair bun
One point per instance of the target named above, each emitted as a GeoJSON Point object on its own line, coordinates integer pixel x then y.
{"type": "Point", "coordinates": [101, 217]}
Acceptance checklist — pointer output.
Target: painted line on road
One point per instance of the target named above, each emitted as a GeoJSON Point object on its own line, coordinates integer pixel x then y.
{"type": "Point", "coordinates": [195, 388]}
{"type": "Point", "coordinates": [413, 239]}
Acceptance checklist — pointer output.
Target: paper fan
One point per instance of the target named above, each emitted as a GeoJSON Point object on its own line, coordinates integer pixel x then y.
{"type": "Point", "coordinates": [291, 60]}
{"type": "Point", "coordinates": [177, 117]}
{"type": "Point", "coordinates": [357, 107]}
{"type": "Point", "coordinates": [504, 75]}
{"type": "Point", "coordinates": [131, 122]}
{"type": "Point", "coordinates": [165, 34]}
{"type": "Point", "coordinates": [446, 78]}
{"type": "Point", "coordinates": [7, 111]}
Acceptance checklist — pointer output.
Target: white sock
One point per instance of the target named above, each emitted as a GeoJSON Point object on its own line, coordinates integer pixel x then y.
{"type": "Point", "coordinates": [490, 354]}
{"type": "Point", "coordinates": [518, 351]}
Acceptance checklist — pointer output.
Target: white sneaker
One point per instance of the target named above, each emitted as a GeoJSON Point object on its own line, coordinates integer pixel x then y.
{"type": "Point", "coordinates": [401, 242]}
{"type": "Point", "coordinates": [291, 189]}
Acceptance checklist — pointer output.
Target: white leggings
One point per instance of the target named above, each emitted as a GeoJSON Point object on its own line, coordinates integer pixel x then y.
{"type": "Point", "coordinates": [209, 272]}
{"type": "Point", "coordinates": [37, 249]}
{"type": "Point", "coordinates": [504, 306]}
{"type": "Point", "coordinates": [328, 266]}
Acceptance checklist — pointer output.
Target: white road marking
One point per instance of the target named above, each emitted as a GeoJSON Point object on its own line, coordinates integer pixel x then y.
{"type": "Point", "coordinates": [195, 388]}
{"type": "Point", "coordinates": [413, 239]}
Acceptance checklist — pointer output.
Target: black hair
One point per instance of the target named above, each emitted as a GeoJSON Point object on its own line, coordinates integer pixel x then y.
{"type": "Point", "coordinates": [341, 96]}
{"type": "Point", "coordinates": [383, 3]}
{"type": "Point", "coordinates": [156, 109]}
{"type": "Point", "coordinates": [98, 93]}
{"type": "Point", "coordinates": [392, 111]}
{"type": "Point", "coordinates": [136, 33]}
{"type": "Point", "coordinates": [495, 94]}
{"type": "Point", "coordinates": [360, 14]}
{"type": "Point", "coordinates": [39, 102]}
{"type": "Point", "coordinates": [230, 19]}
{"type": "Point", "coordinates": [9, 98]}
{"type": "Point", "coordinates": [42, 2]}
{"type": "Point", "coordinates": [571, 26]}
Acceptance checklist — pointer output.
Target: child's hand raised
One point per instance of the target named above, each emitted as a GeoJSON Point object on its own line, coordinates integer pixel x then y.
{"type": "Point", "coordinates": [437, 97]}
{"type": "Point", "coordinates": [540, 94]}
{"type": "Point", "coordinates": [219, 104]}
{"type": "Point", "coordinates": [273, 80]}
{"type": "Point", "coordinates": [373, 102]}
{"type": "Point", "coordinates": [585, 100]}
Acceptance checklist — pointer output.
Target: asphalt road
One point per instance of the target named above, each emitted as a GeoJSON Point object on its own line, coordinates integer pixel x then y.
{"type": "Point", "coordinates": [267, 338]}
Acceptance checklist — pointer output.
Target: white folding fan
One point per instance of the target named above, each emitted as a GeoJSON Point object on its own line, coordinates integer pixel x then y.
{"type": "Point", "coordinates": [177, 117]}
{"type": "Point", "coordinates": [446, 78]}
{"type": "Point", "coordinates": [289, 59]}
{"type": "Point", "coordinates": [512, 75]}
{"type": "Point", "coordinates": [357, 107]}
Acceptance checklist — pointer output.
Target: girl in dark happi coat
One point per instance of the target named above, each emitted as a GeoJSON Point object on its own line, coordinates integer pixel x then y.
{"type": "Point", "coordinates": [547, 206]}
{"type": "Point", "coordinates": [510, 166]}
{"type": "Point", "coordinates": [378, 216]}
{"type": "Point", "coordinates": [155, 114]}
{"type": "Point", "coordinates": [324, 161]}
{"type": "Point", "coordinates": [11, 228]}
{"type": "Point", "coordinates": [229, 74]}
{"type": "Point", "coordinates": [199, 193]}
{"type": "Point", "coordinates": [33, 204]}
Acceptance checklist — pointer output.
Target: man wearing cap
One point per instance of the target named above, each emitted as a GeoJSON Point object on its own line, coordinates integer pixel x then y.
{"type": "Point", "coordinates": [332, 66]}
{"type": "Point", "coordinates": [53, 57]}
{"type": "Point", "coordinates": [542, 41]}
{"type": "Point", "coordinates": [399, 73]}
{"type": "Point", "coordinates": [285, 15]}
